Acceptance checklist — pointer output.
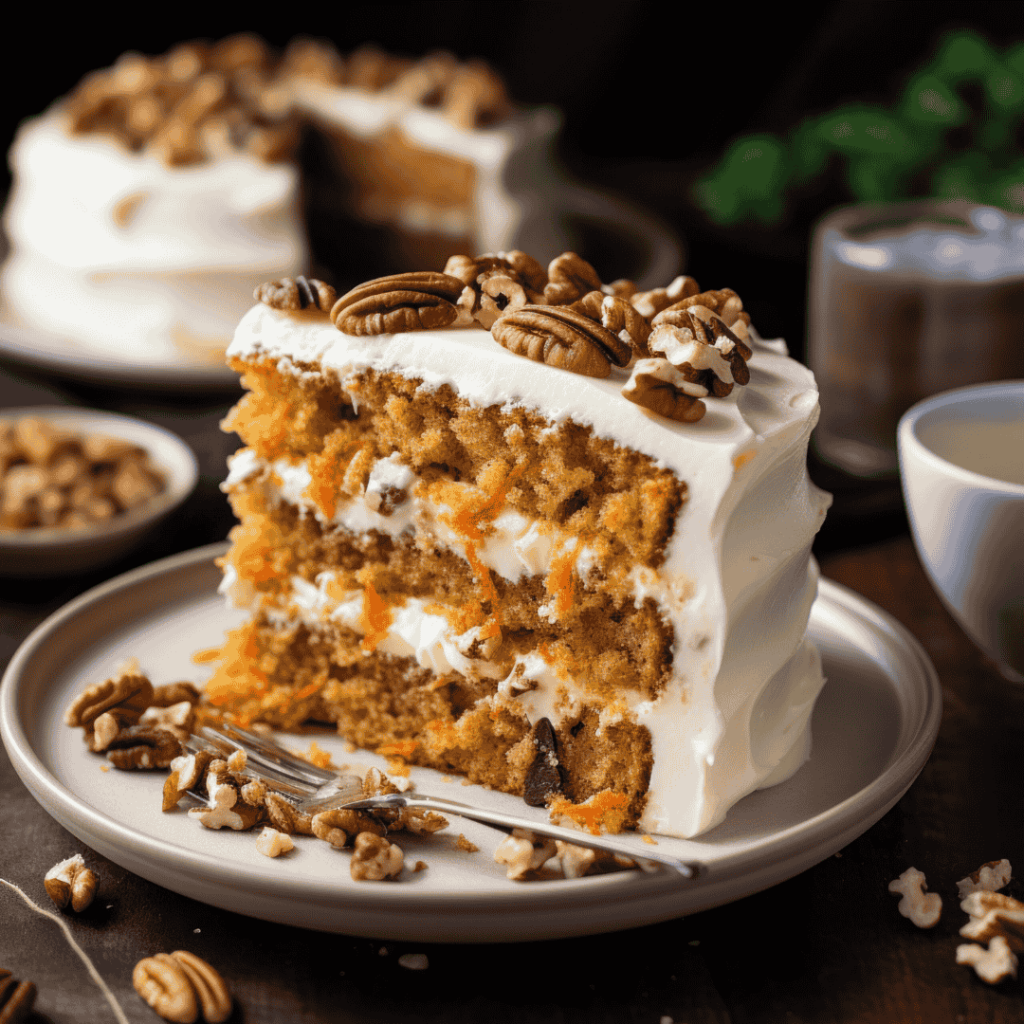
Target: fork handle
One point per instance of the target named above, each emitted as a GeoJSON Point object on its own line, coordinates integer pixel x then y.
{"type": "Point", "coordinates": [647, 861]}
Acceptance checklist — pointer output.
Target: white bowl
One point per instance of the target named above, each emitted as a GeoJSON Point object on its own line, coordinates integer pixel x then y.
{"type": "Point", "coordinates": [56, 551]}
{"type": "Point", "coordinates": [962, 470]}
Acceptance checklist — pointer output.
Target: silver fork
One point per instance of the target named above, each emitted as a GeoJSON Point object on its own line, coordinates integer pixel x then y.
{"type": "Point", "coordinates": [314, 789]}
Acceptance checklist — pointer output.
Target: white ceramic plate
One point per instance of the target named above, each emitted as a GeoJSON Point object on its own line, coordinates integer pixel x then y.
{"type": "Point", "coordinates": [57, 552]}
{"type": "Point", "coordinates": [874, 727]}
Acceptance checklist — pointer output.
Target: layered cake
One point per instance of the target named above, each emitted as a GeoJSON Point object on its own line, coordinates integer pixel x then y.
{"type": "Point", "coordinates": [148, 203]}
{"type": "Point", "coordinates": [511, 522]}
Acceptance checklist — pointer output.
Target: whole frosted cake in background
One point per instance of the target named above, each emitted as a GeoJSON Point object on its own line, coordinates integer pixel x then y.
{"type": "Point", "coordinates": [518, 524]}
{"type": "Point", "coordinates": [148, 203]}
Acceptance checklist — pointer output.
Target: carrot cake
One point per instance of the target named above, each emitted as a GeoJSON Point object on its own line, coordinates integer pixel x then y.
{"type": "Point", "coordinates": [513, 522]}
{"type": "Point", "coordinates": [148, 203]}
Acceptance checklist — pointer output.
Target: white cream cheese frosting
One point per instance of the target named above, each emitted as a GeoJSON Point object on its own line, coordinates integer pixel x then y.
{"type": "Point", "coordinates": [121, 252]}
{"type": "Point", "coordinates": [736, 586]}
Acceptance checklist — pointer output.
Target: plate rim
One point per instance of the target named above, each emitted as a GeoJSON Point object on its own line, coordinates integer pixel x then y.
{"type": "Point", "coordinates": [799, 844]}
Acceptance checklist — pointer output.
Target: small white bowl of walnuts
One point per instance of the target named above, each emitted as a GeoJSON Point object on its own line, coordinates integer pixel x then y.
{"type": "Point", "coordinates": [79, 488]}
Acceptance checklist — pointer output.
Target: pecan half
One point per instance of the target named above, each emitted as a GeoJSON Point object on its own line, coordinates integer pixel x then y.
{"type": "Point", "coordinates": [419, 301]}
{"type": "Point", "coordinates": [129, 692]}
{"type": "Point", "coordinates": [569, 277]}
{"type": "Point", "coordinates": [209, 987]}
{"type": "Point", "coordinates": [143, 747]}
{"type": "Point", "coordinates": [16, 998]}
{"type": "Point", "coordinates": [71, 883]}
{"type": "Point", "coordinates": [187, 772]}
{"type": "Point", "coordinates": [163, 984]}
{"type": "Point", "coordinates": [657, 385]}
{"type": "Point", "coordinates": [561, 337]}
{"type": "Point", "coordinates": [295, 293]}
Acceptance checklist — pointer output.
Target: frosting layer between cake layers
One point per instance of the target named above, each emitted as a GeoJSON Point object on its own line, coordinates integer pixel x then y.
{"type": "Point", "coordinates": [736, 583]}
{"type": "Point", "coordinates": [127, 254]}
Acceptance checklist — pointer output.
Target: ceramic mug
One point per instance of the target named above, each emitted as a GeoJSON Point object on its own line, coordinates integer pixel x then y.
{"type": "Point", "coordinates": [962, 470]}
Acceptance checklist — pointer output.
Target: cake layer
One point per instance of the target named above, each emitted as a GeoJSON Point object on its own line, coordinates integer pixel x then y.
{"type": "Point", "coordinates": [724, 564]}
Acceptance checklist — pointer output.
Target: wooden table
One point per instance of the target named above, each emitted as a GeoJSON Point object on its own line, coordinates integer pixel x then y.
{"type": "Point", "coordinates": [826, 946]}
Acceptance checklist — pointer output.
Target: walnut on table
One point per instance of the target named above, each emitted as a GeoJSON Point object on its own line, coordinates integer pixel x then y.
{"type": "Point", "coordinates": [923, 909]}
{"type": "Point", "coordinates": [179, 986]}
{"type": "Point", "coordinates": [70, 883]}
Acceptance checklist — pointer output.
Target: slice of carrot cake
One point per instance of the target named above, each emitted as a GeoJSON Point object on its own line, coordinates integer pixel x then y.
{"type": "Point", "coordinates": [512, 522]}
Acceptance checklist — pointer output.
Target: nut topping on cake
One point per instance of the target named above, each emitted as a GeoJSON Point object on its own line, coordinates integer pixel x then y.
{"type": "Point", "coordinates": [419, 301]}
{"type": "Point", "coordinates": [618, 316]}
{"type": "Point", "coordinates": [560, 337]}
{"type": "Point", "coordinates": [498, 284]}
{"type": "Point", "coordinates": [699, 345]}
{"type": "Point", "coordinates": [569, 277]}
{"type": "Point", "coordinates": [657, 385]}
{"type": "Point", "coordinates": [295, 293]}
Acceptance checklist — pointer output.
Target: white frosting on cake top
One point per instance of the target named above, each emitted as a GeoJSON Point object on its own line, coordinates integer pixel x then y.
{"type": "Point", "coordinates": [736, 585]}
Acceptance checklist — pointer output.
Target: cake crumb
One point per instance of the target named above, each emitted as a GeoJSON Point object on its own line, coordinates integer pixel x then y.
{"type": "Point", "coordinates": [104, 767]}
{"type": "Point", "coordinates": [414, 961]}
{"type": "Point", "coordinates": [420, 865]}
{"type": "Point", "coordinates": [603, 812]}
{"type": "Point", "coordinates": [464, 844]}
{"type": "Point", "coordinates": [396, 766]}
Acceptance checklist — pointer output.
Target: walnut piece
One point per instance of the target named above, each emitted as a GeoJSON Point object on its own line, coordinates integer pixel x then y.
{"type": "Point", "coordinates": [994, 964]}
{"type": "Point", "coordinates": [994, 914]}
{"type": "Point", "coordinates": [991, 876]}
{"type": "Point", "coordinates": [340, 826]}
{"type": "Point", "coordinates": [374, 858]}
{"type": "Point", "coordinates": [522, 852]}
{"type": "Point", "coordinates": [497, 284]}
{"type": "Point", "coordinates": [699, 344]}
{"type": "Point", "coordinates": [187, 772]}
{"type": "Point", "coordinates": [296, 293]}
{"type": "Point", "coordinates": [16, 998]}
{"type": "Point", "coordinates": [71, 883]}
{"type": "Point", "coordinates": [225, 807]}
{"type": "Point", "coordinates": [651, 303]}
{"type": "Point", "coordinates": [417, 301]}
{"type": "Point", "coordinates": [923, 909]}
{"type": "Point", "coordinates": [143, 747]}
{"type": "Point", "coordinates": [272, 843]}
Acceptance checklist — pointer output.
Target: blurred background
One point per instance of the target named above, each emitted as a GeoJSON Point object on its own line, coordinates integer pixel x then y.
{"type": "Point", "coordinates": [722, 125]}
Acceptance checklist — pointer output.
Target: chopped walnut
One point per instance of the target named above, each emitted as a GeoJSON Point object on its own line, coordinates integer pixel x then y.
{"type": "Point", "coordinates": [127, 694]}
{"type": "Point", "coordinates": [994, 914]}
{"type": "Point", "coordinates": [923, 909]}
{"type": "Point", "coordinates": [70, 882]}
{"type": "Point", "coordinates": [272, 843]}
{"type": "Point", "coordinates": [651, 303]}
{"type": "Point", "coordinates": [994, 964]}
{"type": "Point", "coordinates": [701, 347]}
{"type": "Point", "coordinates": [187, 772]}
{"type": "Point", "coordinates": [143, 747]}
{"type": "Point", "coordinates": [51, 477]}
{"type": "Point", "coordinates": [374, 858]}
{"type": "Point", "coordinates": [340, 826]}
{"type": "Point", "coordinates": [176, 719]}
{"type": "Point", "coordinates": [497, 284]}
{"type": "Point", "coordinates": [991, 876]}
{"type": "Point", "coordinates": [225, 806]}
{"type": "Point", "coordinates": [522, 852]}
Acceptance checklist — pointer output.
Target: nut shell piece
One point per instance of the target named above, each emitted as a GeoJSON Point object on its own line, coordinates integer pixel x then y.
{"type": "Point", "coordinates": [419, 301]}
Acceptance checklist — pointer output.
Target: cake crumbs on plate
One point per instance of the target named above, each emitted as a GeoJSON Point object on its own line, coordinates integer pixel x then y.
{"type": "Point", "coordinates": [464, 844]}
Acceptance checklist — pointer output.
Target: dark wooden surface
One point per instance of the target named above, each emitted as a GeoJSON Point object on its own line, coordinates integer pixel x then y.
{"type": "Point", "coordinates": [826, 946]}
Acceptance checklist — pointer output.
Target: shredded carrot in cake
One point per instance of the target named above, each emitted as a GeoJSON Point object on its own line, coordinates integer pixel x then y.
{"type": "Point", "coordinates": [207, 655]}
{"type": "Point", "coordinates": [400, 748]}
{"type": "Point", "coordinates": [327, 470]}
{"type": "Point", "coordinates": [604, 811]}
{"type": "Point", "coordinates": [318, 756]}
{"type": "Point", "coordinates": [559, 580]}
{"type": "Point", "coordinates": [375, 618]}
